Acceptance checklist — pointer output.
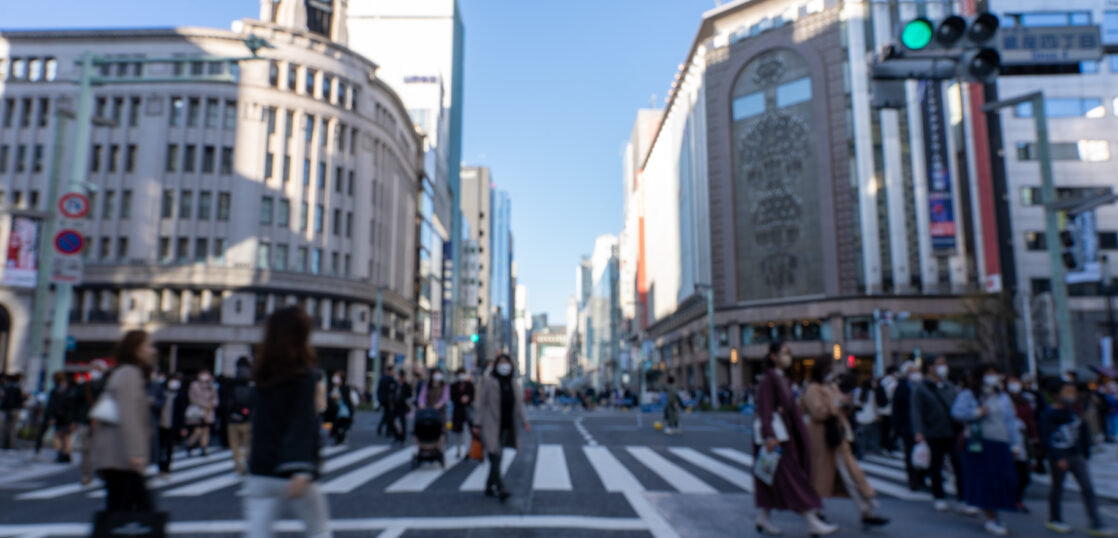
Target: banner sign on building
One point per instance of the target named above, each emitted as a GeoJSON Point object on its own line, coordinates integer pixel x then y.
{"type": "Point", "coordinates": [1088, 268]}
{"type": "Point", "coordinates": [21, 267]}
{"type": "Point", "coordinates": [941, 205]}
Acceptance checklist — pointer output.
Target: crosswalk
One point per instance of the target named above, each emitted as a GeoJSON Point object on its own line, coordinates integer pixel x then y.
{"type": "Point", "coordinates": [550, 467]}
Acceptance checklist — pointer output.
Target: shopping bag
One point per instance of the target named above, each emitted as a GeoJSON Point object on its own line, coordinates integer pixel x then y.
{"type": "Point", "coordinates": [921, 456]}
{"type": "Point", "coordinates": [764, 468]}
{"type": "Point", "coordinates": [476, 452]}
{"type": "Point", "coordinates": [129, 524]}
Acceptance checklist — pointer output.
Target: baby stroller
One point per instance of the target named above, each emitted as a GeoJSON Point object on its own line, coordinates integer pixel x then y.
{"type": "Point", "coordinates": [429, 425]}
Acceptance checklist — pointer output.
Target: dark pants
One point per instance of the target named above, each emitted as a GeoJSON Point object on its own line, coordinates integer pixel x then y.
{"type": "Point", "coordinates": [915, 476]}
{"type": "Point", "coordinates": [1024, 476]}
{"type": "Point", "coordinates": [494, 482]}
{"type": "Point", "coordinates": [886, 433]}
{"type": "Point", "coordinates": [382, 428]}
{"type": "Point", "coordinates": [125, 491]}
{"type": "Point", "coordinates": [398, 425]}
{"type": "Point", "coordinates": [943, 448]}
{"type": "Point", "coordinates": [1077, 467]}
{"type": "Point", "coordinates": [8, 427]}
{"type": "Point", "coordinates": [166, 449]}
{"type": "Point", "coordinates": [339, 429]}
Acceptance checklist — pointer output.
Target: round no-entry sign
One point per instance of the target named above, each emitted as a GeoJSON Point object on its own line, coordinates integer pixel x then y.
{"type": "Point", "coordinates": [69, 242]}
{"type": "Point", "coordinates": [73, 205]}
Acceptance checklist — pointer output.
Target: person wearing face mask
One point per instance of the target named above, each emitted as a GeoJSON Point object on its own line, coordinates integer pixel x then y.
{"type": "Point", "coordinates": [902, 420]}
{"type": "Point", "coordinates": [340, 407]}
{"type": "Point", "coordinates": [1028, 439]}
{"type": "Point", "coordinates": [462, 397]}
{"type": "Point", "coordinates": [500, 407]}
{"type": "Point", "coordinates": [779, 427]}
{"type": "Point", "coordinates": [1066, 442]}
{"type": "Point", "coordinates": [435, 393]}
{"type": "Point", "coordinates": [172, 422]}
{"type": "Point", "coordinates": [990, 433]}
{"type": "Point", "coordinates": [932, 424]}
{"type": "Point", "coordinates": [200, 413]}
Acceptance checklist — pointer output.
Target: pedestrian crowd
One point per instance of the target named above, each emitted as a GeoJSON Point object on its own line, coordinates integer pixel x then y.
{"type": "Point", "coordinates": [989, 429]}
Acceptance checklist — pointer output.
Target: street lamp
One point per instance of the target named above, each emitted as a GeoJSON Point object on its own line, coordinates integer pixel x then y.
{"type": "Point", "coordinates": [84, 121]}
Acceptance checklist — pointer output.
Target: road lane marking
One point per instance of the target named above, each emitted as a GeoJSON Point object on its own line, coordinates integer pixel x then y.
{"type": "Point", "coordinates": [358, 477]}
{"type": "Point", "coordinates": [180, 477]}
{"type": "Point", "coordinates": [421, 479]}
{"type": "Point", "coordinates": [673, 474]}
{"type": "Point", "coordinates": [476, 480]}
{"type": "Point", "coordinates": [657, 525]}
{"type": "Point", "coordinates": [737, 477]}
{"type": "Point", "coordinates": [551, 469]}
{"type": "Point", "coordinates": [614, 476]}
{"type": "Point", "coordinates": [76, 487]}
{"type": "Point", "coordinates": [351, 458]}
{"type": "Point", "coordinates": [736, 456]}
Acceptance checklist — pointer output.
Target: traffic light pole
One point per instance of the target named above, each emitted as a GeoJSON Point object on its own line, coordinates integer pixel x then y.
{"type": "Point", "coordinates": [1051, 223]}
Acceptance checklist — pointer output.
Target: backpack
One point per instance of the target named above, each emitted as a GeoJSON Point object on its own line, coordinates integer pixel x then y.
{"type": "Point", "coordinates": [241, 408]}
{"type": "Point", "coordinates": [882, 399]}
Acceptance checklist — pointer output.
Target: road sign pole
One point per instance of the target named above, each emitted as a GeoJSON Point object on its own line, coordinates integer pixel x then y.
{"type": "Point", "coordinates": [64, 291]}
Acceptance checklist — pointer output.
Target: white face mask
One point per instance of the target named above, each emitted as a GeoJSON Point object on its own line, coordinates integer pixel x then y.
{"type": "Point", "coordinates": [337, 381]}
{"type": "Point", "coordinates": [504, 368]}
{"type": "Point", "coordinates": [1013, 387]}
{"type": "Point", "coordinates": [915, 377]}
{"type": "Point", "coordinates": [438, 378]}
{"type": "Point", "coordinates": [174, 385]}
{"type": "Point", "coordinates": [991, 380]}
{"type": "Point", "coordinates": [941, 371]}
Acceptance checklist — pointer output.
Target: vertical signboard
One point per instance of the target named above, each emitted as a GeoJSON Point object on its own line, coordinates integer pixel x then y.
{"type": "Point", "coordinates": [941, 206]}
{"type": "Point", "coordinates": [21, 266]}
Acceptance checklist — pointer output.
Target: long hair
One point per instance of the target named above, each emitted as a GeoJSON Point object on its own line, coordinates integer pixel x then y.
{"type": "Point", "coordinates": [285, 353]}
{"type": "Point", "coordinates": [128, 351]}
{"type": "Point", "coordinates": [820, 369]}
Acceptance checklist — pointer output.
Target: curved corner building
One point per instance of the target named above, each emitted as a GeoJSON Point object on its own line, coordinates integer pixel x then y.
{"type": "Point", "coordinates": [222, 189]}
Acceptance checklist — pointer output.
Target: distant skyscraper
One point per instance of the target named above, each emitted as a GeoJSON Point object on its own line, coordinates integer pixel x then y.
{"type": "Point", "coordinates": [501, 290]}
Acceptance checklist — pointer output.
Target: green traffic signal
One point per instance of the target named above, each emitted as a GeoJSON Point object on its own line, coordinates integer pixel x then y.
{"type": "Point", "coordinates": [473, 338]}
{"type": "Point", "coordinates": [917, 34]}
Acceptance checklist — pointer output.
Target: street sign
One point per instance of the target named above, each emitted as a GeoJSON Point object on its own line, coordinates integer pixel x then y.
{"type": "Point", "coordinates": [1049, 45]}
{"type": "Point", "coordinates": [71, 343]}
{"type": "Point", "coordinates": [73, 205]}
{"type": "Point", "coordinates": [66, 270]}
{"type": "Point", "coordinates": [68, 242]}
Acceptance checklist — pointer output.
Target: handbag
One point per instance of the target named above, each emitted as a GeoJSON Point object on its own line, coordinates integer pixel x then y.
{"type": "Point", "coordinates": [195, 413]}
{"type": "Point", "coordinates": [476, 451]}
{"type": "Point", "coordinates": [129, 524]}
{"type": "Point", "coordinates": [105, 410]}
{"type": "Point", "coordinates": [764, 468]}
{"type": "Point", "coordinates": [779, 429]}
{"type": "Point", "coordinates": [832, 433]}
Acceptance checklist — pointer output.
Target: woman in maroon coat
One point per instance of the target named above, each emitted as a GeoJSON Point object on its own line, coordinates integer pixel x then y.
{"type": "Point", "coordinates": [791, 488]}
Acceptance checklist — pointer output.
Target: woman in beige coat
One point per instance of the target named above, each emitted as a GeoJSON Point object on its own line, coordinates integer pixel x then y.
{"type": "Point", "coordinates": [500, 406]}
{"type": "Point", "coordinates": [121, 449]}
{"type": "Point", "coordinates": [834, 471]}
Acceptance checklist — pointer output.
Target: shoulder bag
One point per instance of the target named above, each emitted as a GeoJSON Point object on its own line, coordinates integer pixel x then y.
{"type": "Point", "coordinates": [105, 410]}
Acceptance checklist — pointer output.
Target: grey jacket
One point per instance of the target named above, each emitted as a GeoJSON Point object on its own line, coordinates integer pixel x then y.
{"type": "Point", "coordinates": [488, 417]}
{"type": "Point", "coordinates": [114, 445]}
{"type": "Point", "coordinates": [930, 416]}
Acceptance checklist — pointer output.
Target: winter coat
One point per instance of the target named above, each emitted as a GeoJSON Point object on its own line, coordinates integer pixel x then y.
{"type": "Point", "coordinates": [818, 403]}
{"type": "Point", "coordinates": [115, 445]}
{"type": "Point", "coordinates": [285, 429]}
{"type": "Point", "coordinates": [931, 415]}
{"type": "Point", "coordinates": [204, 395]}
{"type": "Point", "coordinates": [488, 418]}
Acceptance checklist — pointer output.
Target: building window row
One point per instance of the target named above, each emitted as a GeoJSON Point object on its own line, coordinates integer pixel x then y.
{"type": "Point", "coordinates": [1091, 151]}
{"type": "Point", "coordinates": [1037, 241]}
{"type": "Point", "coordinates": [223, 69]}
{"type": "Point", "coordinates": [276, 257]}
{"type": "Point", "coordinates": [1033, 196]}
{"type": "Point", "coordinates": [17, 199]}
{"type": "Point", "coordinates": [315, 83]}
{"type": "Point", "coordinates": [178, 250]}
{"type": "Point", "coordinates": [184, 158]}
{"type": "Point", "coordinates": [186, 205]}
{"type": "Point", "coordinates": [113, 157]}
{"type": "Point", "coordinates": [193, 111]}
{"type": "Point", "coordinates": [24, 109]}
{"type": "Point", "coordinates": [29, 69]}
{"type": "Point", "coordinates": [19, 160]}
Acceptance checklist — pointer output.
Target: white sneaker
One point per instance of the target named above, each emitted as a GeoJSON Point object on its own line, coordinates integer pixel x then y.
{"type": "Point", "coordinates": [941, 506]}
{"type": "Point", "coordinates": [969, 510]}
{"type": "Point", "coordinates": [996, 528]}
{"type": "Point", "coordinates": [1058, 526]}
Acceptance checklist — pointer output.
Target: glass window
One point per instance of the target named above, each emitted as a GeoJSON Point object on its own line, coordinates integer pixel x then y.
{"type": "Point", "coordinates": [284, 217]}
{"type": "Point", "coordinates": [748, 106]}
{"type": "Point", "coordinates": [1065, 107]}
{"type": "Point", "coordinates": [273, 74]}
{"type": "Point", "coordinates": [303, 217]}
{"type": "Point", "coordinates": [21, 158]}
{"type": "Point", "coordinates": [1082, 150]}
{"type": "Point", "coordinates": [292, 76]}
{"type": "Point", "coordinates": [289, 125]}
{"type": "Point", "coordinates": [107, 204]}
{"type": "Point", "coordinates": [37, 159]}
{"type": "Point", "coordinates": [130, 158]}
{"type": "Point", "coordinates": [51, 69]}
{"type": "Point", "coordinates": [9, 111]}
{"type": "Point", "coordinates": [122, 248]}
{"type": "Point", "coordinates": [197, 68]}
{"type": "Point", "coordinates": [44, 111]}
{"type": "Point", "coordinates": [301, 259]}
{"type": "Point", "coordinates": [349, 184]}
{"type": "Point", "coordinates": [226, 160]}
{"type": "Point", "coordinates": [201, 249]}
{"type": "Point", "coordinates": [168, 204]}
{"type": "Point", "coordinates": [3, 160]}
{"type": "Point", "coordinates": [186, 205]}
{"type": "Point", "coordinates": [172, 158]}
{"type": "Point", "coordinates": [212, 110]}
{"type": "Point", "coordinates": [792, 93]}
{"type": "Point", "coordinates": [266, 209]}
{"type": "Point", "coordinates": [164, 249]}
{"type": "Point", "coordinates": [319, 217]}
{"type": "Point", "coordinates": [308, 126]}
{"type": "Point", "coordinates": [306, 171]}
{"type": "Point", "coordinates": [1035, 241]}
{"type": "Point", "coordinates": [193, 111]}
{"type": "Point", "coordinates": [327, 88]}
{"type": "Point", "coordinates": [223, 202]}
{"type": "Point", "coordinates": [1108, 240]}
{"type": "Point", "coordinates": [1088, 67]}
{"type": "Point", "coordinates": [263, 255]}
{"type": "Point", "coordinates": [106, 248]}
{"type": "Point", "coordinates": [349, 224]}
{"type": "Point", "coordinates": [205, 200]}
{"type": "Point", "coordinates": [308, 82]}
{"type": "Point", "coordinates": [182, 250]}
{"type": "Point", "coordinates": [269, 166]}
{"type": "Point", "coordinates": [323, 132]}
{"type": "Point", "coordinates": [280, 261]}
{"type": "Point", "coordinates": [353, 143]}
{"type": "Point", "coordinates": [126, 204]}
{"type": "Point", "coordinates": [321, 175]}
{"type": "Point", "coordinates": [316, 261]}
{"type": "Point", "coordinates": [334, 263]}
{"type": "Point", "coordinates": [189, 157]}
{"type": "Point", "coordinates": [208, 158]}
{"type": "Point", "coordinates": [134, 112]}
{"type": "Point", "coordinates": [219, 249]}
{"type": "Point", "coordinates": [337, 222]}
{"type": "Point", "coordinates": [178, 105]}
{"type": "Point", "coordinates": [270, 117]}
{"type": "Point", "coordinates": [230, 114]}
{"type": "Point", "coordinates": [25, 112]}
{"type": "Point", "coordinates": [338, 179]}
{"type": "Point", "coordinates": [286, 168]}
{"type": "Point", "coordinates": [94, 159]}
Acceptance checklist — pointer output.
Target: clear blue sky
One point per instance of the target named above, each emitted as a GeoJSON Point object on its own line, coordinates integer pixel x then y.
{"type": "Point", "coordinates": [552, 90]}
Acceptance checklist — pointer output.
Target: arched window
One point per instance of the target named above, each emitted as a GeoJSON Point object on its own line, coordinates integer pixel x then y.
{"type": "Point", "coordinates": [775, 179]}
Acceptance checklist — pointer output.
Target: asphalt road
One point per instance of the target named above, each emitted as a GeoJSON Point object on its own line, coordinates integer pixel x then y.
{"type": "Point", "coordinates": [577, 474]}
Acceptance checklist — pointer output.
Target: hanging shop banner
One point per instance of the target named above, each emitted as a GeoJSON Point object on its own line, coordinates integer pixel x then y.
{"type": "Point", "coordinates": [21, 268]}
{"type": "Point", "coordinates": [941, 205]}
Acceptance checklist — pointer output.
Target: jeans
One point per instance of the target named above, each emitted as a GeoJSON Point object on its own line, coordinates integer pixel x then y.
{"type": "Point", "coordinates": [265, 496]}
{"type": "Point", "coordinates": [1077, 466]}
{"type": "Point", "coordinates": [166, 449]}
{"type": "Point", "coordinates": [943, 448]}
{"type": "Point", "coordinates": [126, 491]}
{"type": "Point", "coordinates": [240, 440]}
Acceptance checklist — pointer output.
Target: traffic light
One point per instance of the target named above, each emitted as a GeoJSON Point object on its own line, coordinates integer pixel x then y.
{"type": "Point", "coordinates": [955, 47]}
{"type": "Point", "coordinates": [1069, 248]}
{"type": "Point", "coordinates": [473, 338]}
